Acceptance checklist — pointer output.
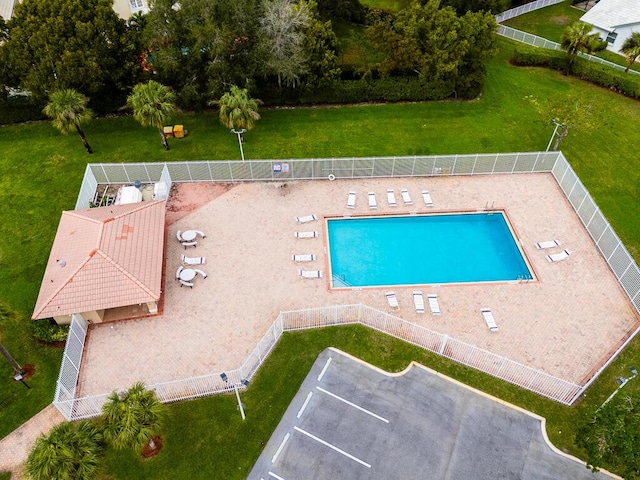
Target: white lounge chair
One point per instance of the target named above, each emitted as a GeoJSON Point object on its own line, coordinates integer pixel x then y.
{"type": "Point", "coordinates": [307, 219]}
{"type": "Point", "coordinates": [549, 244]}
{"type": "Point", "coordinates": [488, 318]}
{"type": "Point", "coordinates": [200, 234]}
{"type": "Point", "coordinates": [179, 235]}
{"type": "Point", "coordinates": [427, 198]}
{"type": "Point", "coordinates": [405, 197]}
{"type": "Point", "coordinates": [434, 306]}
{"type": "Point", "coordinates": [351, 200]}
{"type": "Point", "coordinates": [391, 198]}
{"type": "Point", "coordinates": [193, 260]}
{"type": "Point", "coordinates": [189, 244]}
{"type": "Point", "coordinates": [201, 273]}
{"type": "Point", "coordinates": [186, 284]}
{"type": "Point", "coordinates": [418, 301]}
{"type": "Point", "coordinates": [372, 200]}
{"type": "Point", "coordinates": [310, 273]}
{"type": "Point", "coordinates": [557, 257]}
{"type": "Point", "coordinates": [392, 300]}
{"type": "Point", "coordinates": [306, 234]}
{"type": "Point", "coordinates": [303, 257]}
{"type": "Point", "coordinates": [179, 271]}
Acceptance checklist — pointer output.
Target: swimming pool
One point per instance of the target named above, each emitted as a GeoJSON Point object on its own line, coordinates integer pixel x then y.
{"type": "Point", "coordinates": [428, 249]}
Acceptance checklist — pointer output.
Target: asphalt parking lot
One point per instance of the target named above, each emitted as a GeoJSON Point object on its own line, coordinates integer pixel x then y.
{"type": "Point", "coordinates": [352, 421]}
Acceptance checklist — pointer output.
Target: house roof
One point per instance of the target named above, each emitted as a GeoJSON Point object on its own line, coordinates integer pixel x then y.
{"type": "Point", "coordinates": [103, 258]}
{"type": "Point", "coordinates": [609, 14]}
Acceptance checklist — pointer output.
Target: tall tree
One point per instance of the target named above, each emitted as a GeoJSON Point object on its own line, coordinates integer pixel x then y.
{"type": "Point", "coordinates": [577, 38]}
{"type": "Point", "coordinates": [238, 110]}
{"type": "Point", "coordinates": [321, 47]}
{"type": "Point", "coordinates": [433, 43]}
{"type": "Point", "coordinates": [80, 44]}
{"type": "Point", "coordinates": [283, 27]}
{"type": "Point", "coordinates": [133, 417]}
{"type": "Point", "coordinates": [70, 451]}
{"type": "Point", "coordinates": [631, 49]}
{"type": "Point", "coordinates": [68, 111]}
{"type": "Point", "coordinates": [152, 104]}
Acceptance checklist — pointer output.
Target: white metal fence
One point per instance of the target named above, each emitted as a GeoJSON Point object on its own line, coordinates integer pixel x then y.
{"type": "Point", "coordinates": [526, 8]}
{"type": "Point", "coordinates": [530, 39]}
{"type": "Point", "coordinates": [70, 368]}
{"type": "Point", "coordinates": [620, 261]}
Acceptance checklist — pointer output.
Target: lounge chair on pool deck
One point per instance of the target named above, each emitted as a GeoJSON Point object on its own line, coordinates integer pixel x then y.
{"type": "Point", "coordinates": [310, 273]}
{"type": "Point", "coordinates": [306, 234]}
{"type": "Point", "coordinates": [351, 200]}
{"type": "Point", "coordinates": [193, 260]}
{"type": "Point", "coordinates": [427, 198]}
{"type": "Point", "coordinates": [556, 257]}
{"type": "Point", "coordinates": [372, 200]}
{"type": "Point", "coordinates": [405, 197]}
{"type": "Point", "coordinates": [488, 318]}
{"type": "Point", "coordinates": [392, 300]}
{"type": "Point", "coordinates": [549, 244]}
{"type": "Point", "coordinates": [306, 257]}
{"type": "Point", "coordinates": [433, 304]}
{"type": "Point", "coordinates": [418, 301]}
{"type": "Point", "coordinates": [391, 198]}
{"type": "Point", "coordinates": [308, 218]}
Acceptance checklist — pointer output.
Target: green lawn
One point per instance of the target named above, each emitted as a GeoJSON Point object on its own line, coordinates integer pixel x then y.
{"type": "Point", "coordinates": [41, 170]}
{"type": "Point", "coordinates": [550, 22]}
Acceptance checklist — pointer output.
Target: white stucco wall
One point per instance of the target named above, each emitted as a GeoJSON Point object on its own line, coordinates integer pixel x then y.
{"type": "Point", "coordinates": [623, 33]}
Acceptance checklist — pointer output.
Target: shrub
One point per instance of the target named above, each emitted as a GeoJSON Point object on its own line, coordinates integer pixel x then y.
{"type": "Point", "coordinates": [20, 109]}
{"type": "Point", "coordinates": [48, 331]}
{"type": "Point", "coordinates": [628, 84]}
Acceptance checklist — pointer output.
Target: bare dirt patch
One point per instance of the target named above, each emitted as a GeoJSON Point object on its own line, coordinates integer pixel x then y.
{"type": "Point", "coordinates": [561, 20]}
{"type": "Point", "coordinates": [186, 198]}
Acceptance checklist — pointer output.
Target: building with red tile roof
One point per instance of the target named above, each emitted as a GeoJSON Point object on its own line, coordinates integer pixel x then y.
{"type": "Point", "coordinates": [104, 258]}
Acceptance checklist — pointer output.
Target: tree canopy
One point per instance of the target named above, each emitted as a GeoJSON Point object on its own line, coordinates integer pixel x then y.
{"type": "Point", "coordinates": [68, 111]}
{"type": "Point", "coordinates": [435, 44]}
{"type": "Point", "coordinates": [631, 49]}
{"type": "Point", "coordinates": [57, 44]}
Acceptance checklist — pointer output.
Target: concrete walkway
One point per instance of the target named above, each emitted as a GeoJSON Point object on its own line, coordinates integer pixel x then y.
{"type": "Point", "coordinates": [14, 448]}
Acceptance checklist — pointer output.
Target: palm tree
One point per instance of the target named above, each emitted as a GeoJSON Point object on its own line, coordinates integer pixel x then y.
{"type": "Point", "coordinates": [68, 110]}
{"type": "Point", "coordinates": [238, 112]}
{"type": "Point", "coordinates": [577, 38]}
{"type": "Point", "coordinates": [631, 49]}
{"type": "Point", "coordinates": [69, 451]}
{"type": "Point", "coordinates": [132, 417]}
{"type": "Point", "coordinates": [152, 105]}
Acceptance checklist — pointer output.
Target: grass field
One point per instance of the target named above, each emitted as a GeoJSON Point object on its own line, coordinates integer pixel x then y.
{"type": "Point", "coordinates": [40, 175]}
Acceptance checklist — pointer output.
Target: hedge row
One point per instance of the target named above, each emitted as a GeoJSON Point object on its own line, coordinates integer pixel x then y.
{"type": "Point", "coordinates": [627, 84]}
{"type": "Point", "coordinates": [18, 110]}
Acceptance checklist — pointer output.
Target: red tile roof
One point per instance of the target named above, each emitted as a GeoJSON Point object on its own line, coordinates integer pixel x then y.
{"type": "Point", "coordinates": [103, 258]}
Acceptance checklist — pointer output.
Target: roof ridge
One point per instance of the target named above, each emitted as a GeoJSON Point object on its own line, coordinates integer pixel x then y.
{"type": "Point", "coordinates": [142, 206]}
{"type": "Point", "coordinates": [125, 272]}
{"type": "Point", "coordinates": [80, 216]}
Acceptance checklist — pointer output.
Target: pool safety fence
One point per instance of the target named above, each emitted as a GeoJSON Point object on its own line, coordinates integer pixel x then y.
{"type": "Point", "coordinates": [616, 255]}
{"type": "Point", "coordinates": [526, 8]}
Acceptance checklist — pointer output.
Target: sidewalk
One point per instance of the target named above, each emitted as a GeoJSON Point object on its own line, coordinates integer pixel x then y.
{"type": "Point", "coordinates": [14, 448]}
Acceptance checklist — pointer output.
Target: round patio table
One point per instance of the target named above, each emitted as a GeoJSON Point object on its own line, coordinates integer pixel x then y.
{"type": "Point", "coordinates": [187, 274]}
{"type": "Point", "coordinates": [189, 235]}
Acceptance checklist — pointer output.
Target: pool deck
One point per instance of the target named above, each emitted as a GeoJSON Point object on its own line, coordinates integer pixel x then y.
{"type": "Point", "coordinates": [565, 323]}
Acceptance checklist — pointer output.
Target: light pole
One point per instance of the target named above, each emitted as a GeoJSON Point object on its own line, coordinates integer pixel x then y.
{"type": "Point", "coordinates": [555, 130]}
{"type": "Point", "coordinates": [244, 382]}
{"type": "Point", "coordinates": [239, 133]}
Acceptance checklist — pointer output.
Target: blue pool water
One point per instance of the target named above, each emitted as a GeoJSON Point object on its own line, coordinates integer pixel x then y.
{"type": "Point", "coordinates": [432, 249]}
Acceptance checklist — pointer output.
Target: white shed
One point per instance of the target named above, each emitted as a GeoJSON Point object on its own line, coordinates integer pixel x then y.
{"type": "Point", "coordinates": [614, 21]}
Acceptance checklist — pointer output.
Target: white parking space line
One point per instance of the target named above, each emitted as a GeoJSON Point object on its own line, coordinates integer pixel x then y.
{"type": "Point", "coordinates": [304, 405]}
{"type": "Point", "coordinates": [277, 477]}
{"type": "Point", "coordinates": [324, 370]}
{"type": "Point", "coordinates": [353, 405]}
{"type": "Point", "coordinates": [282, 444]}
{"type": "Point", "coordinates": [332, 447]}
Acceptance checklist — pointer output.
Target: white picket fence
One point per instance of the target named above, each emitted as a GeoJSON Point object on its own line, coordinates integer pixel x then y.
{"type": "Point", "coordinates": [526, 8]}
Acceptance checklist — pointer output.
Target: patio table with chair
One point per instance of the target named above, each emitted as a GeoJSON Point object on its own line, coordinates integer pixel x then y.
{"type": "Point", "coordinates": [187, 274]}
